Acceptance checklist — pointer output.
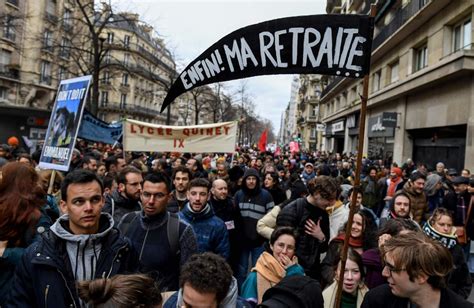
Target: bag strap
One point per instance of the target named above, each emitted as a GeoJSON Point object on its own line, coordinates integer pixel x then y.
{"type": "Point", "coordinates": [172, 227]}
{"type": "Point", "coordinates": [300, 202]}
{"type": "Point", "coordinates": [127, 221]}
{"type": "Point", "coordinates": [468, 212]}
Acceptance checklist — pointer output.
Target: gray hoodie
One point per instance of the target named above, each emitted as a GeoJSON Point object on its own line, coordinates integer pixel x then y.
{"type": "Point", "coordinates": [83, 249]}
{"type": "Point", "coordinates": [230, 300]}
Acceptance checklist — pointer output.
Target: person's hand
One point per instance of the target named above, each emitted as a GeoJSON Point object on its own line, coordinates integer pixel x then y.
{"type": "Point", "coordinates": [383, 238]}
{"type": "Point", "coordinates": [287, 262]}
{"type": "Point", "coordinates": [3, 246]}
{"type": "Point", "coordinates": [314, 230]}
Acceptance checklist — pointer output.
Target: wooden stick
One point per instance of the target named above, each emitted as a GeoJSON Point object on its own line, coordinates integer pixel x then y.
{"type": "Point", "coordinates": [356, 188]}
{"type": "Point", "coordinates": [51, 182]}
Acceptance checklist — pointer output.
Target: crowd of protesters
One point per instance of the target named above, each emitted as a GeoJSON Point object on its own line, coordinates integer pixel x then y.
{"type": "Point", "coordinates": [231, 230]}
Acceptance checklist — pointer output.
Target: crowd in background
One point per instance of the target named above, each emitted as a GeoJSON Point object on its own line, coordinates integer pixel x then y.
{"type": "Point", "coordinates": [237, 226]}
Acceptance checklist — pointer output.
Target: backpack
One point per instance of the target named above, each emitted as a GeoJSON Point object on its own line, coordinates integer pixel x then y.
{"type": "Point", "coordinates": [300, 203]}
{"type": "Point", "coordinates": [172, 228]}
{"type": "Point", "coordinates": [294, 291]}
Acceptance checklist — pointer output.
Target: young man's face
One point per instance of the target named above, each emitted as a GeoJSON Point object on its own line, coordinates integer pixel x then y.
{"type": "Point", "coordinates": [181, 181]}
{"type": "Point", "coordinates": [324, 201]}
{"type": "Point", "coordinates": [418, 185]}
{"type": "Point", "coordinates": [197, 197]}
{"type": "Point", "coordinates": [133, 186]}
{"type": "Point", "coordinates": [398, 279]}
{"type": "Point", "coordinates": [401, 206]}
{"type": "Point", "coordinates": [194, 298]}
{"type": "Point", "coordinates": [155, 198]}
{"type": "Point", "coordinates": [84, 204]}
{"type": "Point", "coordinates": [251, 182]}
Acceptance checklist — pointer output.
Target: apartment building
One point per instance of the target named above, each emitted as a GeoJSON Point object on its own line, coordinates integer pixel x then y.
{"type": "Point", "coordinates": [421, 90]}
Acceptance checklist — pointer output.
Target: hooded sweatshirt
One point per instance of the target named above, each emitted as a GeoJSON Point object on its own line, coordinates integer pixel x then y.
{"type": "Point", "coordinates": [83, 250]}
{"type": "Point", "coordinates": [253, 204]}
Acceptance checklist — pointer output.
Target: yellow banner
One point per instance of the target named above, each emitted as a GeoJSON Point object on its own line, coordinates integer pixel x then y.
{"type": "Point", "coordinates": [142, 136]}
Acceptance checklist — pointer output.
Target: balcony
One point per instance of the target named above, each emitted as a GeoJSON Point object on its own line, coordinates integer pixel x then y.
{"type": "Point", "coordinates": [7, 72]}
{"type": "Point", "coordinates": [131, 109]}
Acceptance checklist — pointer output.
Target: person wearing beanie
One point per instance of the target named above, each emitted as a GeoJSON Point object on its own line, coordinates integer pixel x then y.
{"type": "Point", "coordinates": [15, 148]}
{"type": "Point", "coordinates": [254, 202]}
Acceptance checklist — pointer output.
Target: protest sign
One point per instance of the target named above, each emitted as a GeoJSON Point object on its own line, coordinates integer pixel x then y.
{"type": "Point", "coordinates": [142, 136]}
{"type": "Point", "coordinates": [64, 123]}
{"type": "Point", "coordinates": [94, 129]}
{"type": "Point", "coordinates": [316, 44]}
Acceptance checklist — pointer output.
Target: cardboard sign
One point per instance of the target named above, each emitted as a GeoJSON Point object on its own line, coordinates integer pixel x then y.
{"type": "Point", "coordinates": [94, 129]}
{"type": "Point", "coordinates": [315, 44]}
{"type": "Point", "coordinates": [64, 123]}
{"type": "Point", "coordinates": [142, 136]}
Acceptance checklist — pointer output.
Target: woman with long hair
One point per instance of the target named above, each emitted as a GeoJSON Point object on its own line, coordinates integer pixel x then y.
{"type": "Point", "coordinates": [21, 199]}
{"type": "Point", "coordinates": [440, 228]}
{"type": "Point", "coordinates": [271, 183]}
{"type": "Point", "coordinates": [362, 238]}
{"type": "Point", "coordinates": [353, 287]}
{"type": "Point", "coordinates": [274, 264]}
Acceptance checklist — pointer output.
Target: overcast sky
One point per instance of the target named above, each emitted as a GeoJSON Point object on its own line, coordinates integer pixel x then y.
{"type": "Point", "coordinates": [190, 27]}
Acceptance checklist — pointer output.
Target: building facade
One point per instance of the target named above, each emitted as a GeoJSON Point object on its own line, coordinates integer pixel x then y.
{"type": "Point", "coordinates": [421, 90]}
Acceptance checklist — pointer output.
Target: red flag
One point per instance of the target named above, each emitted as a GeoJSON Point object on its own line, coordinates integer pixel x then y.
{"type": "Point", "coordinates": [262, 143]}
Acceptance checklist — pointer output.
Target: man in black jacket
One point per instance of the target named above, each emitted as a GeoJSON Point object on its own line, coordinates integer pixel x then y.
{"type": "Point", "coordinates": [126, 198]}
{"type": "Point", "coordinates": [309, 217]}
{"type": "Point", "coordinates": [415, 268]}
{"type": "Point", "coordinates": [81, 245]}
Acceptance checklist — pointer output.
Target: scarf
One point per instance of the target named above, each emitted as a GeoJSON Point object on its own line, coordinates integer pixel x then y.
{"type": "Point", "coordinates": [353, 242]}
{"type": "Point", "coordinates": [393, 186]}
{"type": "Point", "coordinates": [269, 272]}
{"type": "Point", "coordinates": [447, 240]}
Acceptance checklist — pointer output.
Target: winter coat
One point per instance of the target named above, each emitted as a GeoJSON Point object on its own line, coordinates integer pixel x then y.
{"type": "Point", "coordinates": [382, 296]}
{"type": "Point", "coordinates": [149, 236]}
{"type": "Point", "coordinates": [329, 295]}
{"type": "Point", "coordinates": [371, 193]}
{"type": "Point", "coordinates": [308, 248]}
{"type": "Point", "coordinates": [118, 206]}
{"type": "Point", "coordinates": [211, 232]}
{"type": "Point", "coordinates": [373, 265]}
{"type": "Point", "coordinates": [266, 225]}
{"type": "Point", "coordinates": [418, 203]}
{"type": "Point", "coordinates": [45, 276]}
{"type": "Point", "coordinates": [253, 205]}
{"type": "Point", "coordinates": [231, 300]}
{"type": "Point", "coordinates": [175, 205]}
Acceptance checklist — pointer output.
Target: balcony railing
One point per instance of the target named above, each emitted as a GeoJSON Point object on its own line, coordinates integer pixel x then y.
{"type": "Point", "coordinates": [7, 72]}
{"type": "Point", "coordinates": [400, 18]}
{"type": "Point", "coordinates": [129, 109]}
{"type": "Point", "coordinates": [13, 2]}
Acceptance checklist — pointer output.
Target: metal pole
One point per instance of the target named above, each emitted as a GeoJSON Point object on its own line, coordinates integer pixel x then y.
{"type": "Point", "coordinates": [360, 150]}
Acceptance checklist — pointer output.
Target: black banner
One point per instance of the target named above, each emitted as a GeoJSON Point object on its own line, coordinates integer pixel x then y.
{"type": "Point", "coordinates": [315, 44]}
{"type": "Point", "coordinates": [389, 119]}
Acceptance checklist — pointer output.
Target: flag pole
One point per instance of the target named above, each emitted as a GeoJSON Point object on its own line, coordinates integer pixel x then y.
{"type": "Point", "coordinates": [356, 189]}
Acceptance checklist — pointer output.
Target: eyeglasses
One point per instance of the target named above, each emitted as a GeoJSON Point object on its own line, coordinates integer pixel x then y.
{"type": "Point", "coordinates": [146, 195]}
{"type": "Point", "coordinates": [391, 268]}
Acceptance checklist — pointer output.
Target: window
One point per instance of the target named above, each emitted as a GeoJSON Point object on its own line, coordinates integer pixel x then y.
{"type": "Point", "coordinates": [67, 19]}
{"type": "Point", "coordinates": [421, 57]}
{"type": "Point", "coordinates": [313, 133]}
{"type": "Point", "coordinates": [376, 81]}
{"type": "Point", "coordinates": [3, 93]}
{"type": "Point", "coordinates": [123, 101]}
{"type": "Point", "coordinates": [462, 35]}
{"type": "Point", "coordinates": [110, 37]}
{"type": "Point", "coordinates": [48, 40]}
{"type": "Point", "coordinates": [107, 57]}
{"type": "Point", "coordinates": [5, 60]}
{"type": "Point", "coordinates": [51, 7]}
{"type": "Point", "coordinates": [125, 80]}
{"type": "Point", "coordinates": [9, 28]}
{"type": "Point", "coordinates": [65, 48]}
{"type": "Point", "coordinates": [314, 111]}
{"type": "Point", "coordinates": [106, 77]}
{"type": "Point", "coordinates": [393, 72]}
{"type": "Point", "coordinates": [126, 40]}
{"type": "Point", "coordinates": [423, 2]}
{"type": "Point", "coordinates": [13, 2]}
{"type": "Point", "coordinates": [104, 99]}
{"type": "Point", "coordinates": [126, 59]}
{"type": "Point", "coordinates": [62, 73]}
{"type": "Point", "coordinates": [45, 72]}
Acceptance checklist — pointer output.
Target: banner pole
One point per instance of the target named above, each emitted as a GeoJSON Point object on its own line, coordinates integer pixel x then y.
{"type": "Point", "coordinates": [356, 188]}
{"type": "Point", "coordinates": [51, 182]}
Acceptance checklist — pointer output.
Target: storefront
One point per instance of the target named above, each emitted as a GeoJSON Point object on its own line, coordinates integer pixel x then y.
{"type": "Point", "coordinates": [381, 132]}
{"type": "Point", "coordinates": [352, 125]}
{"type": "Point", "coordinates": [337, 129]}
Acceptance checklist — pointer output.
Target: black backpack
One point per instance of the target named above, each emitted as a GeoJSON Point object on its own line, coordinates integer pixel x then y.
{"type": "Point", "coordinates": [294, 291]}
{"type": "Point", "coordinates": [172, 228]}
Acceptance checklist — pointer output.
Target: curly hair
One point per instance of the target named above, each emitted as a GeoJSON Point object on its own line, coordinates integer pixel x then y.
{"type": "Point", "coordinates": [326, 186]}
{"type": "Point", "coordinates": [207, 273]}
{"type": "Point", "coordinates": [21, 199]}
{"type": "Point", "coordinates": [121, 291]}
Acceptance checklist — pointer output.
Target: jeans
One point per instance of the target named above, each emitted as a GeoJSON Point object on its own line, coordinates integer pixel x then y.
{"type": "Point", "coordinates": [243, 268]}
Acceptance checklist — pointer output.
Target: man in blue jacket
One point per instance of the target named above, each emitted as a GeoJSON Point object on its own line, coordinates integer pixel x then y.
{"type": "Point", "coordinates": [80, 245]}
{"type": "Point", "coordinates": [210, 230]}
